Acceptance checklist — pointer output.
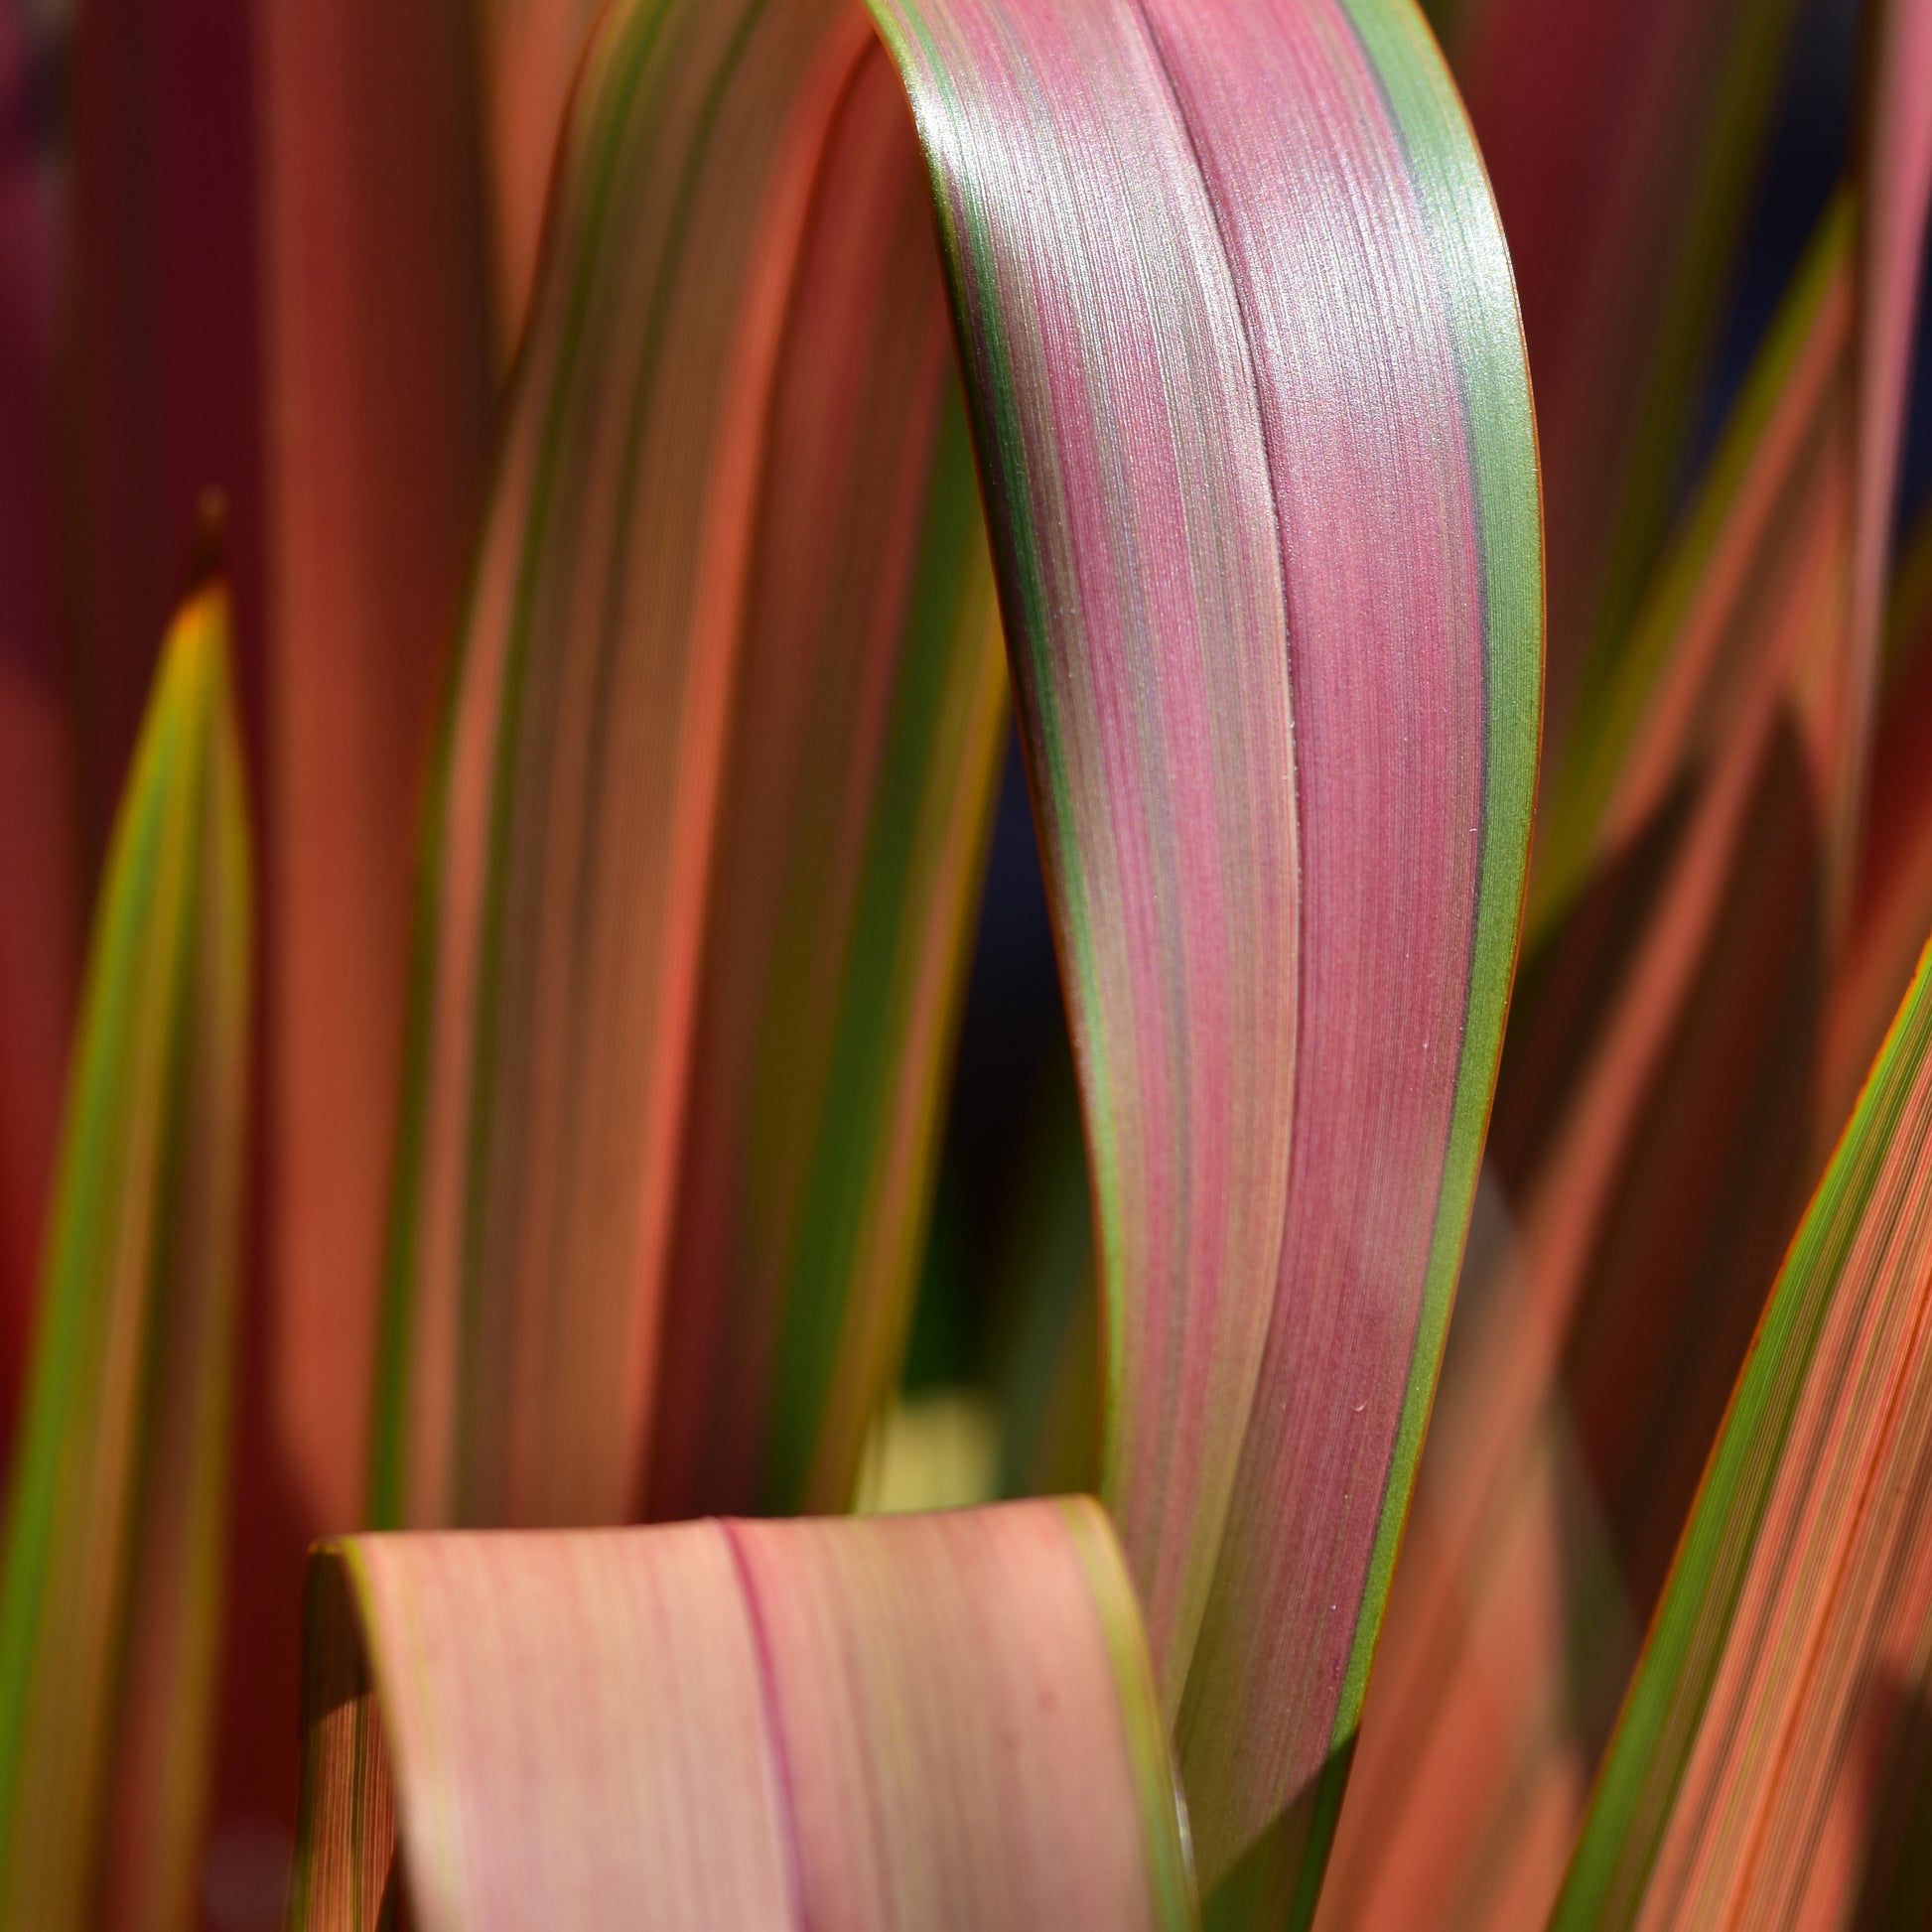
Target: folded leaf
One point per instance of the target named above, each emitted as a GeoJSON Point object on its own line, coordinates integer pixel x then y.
{"type": "Point", "coordinates": [1133, 521]}
{"type": "Point", "coordinates": [797, 833]}
{"type": "Point", "coordinates": [1184, 434]}
{"type": "Point", "coordinates": [573, 805]}
{"type": "Point", "coordinates": [111, 1593]}
{"type": "Point", "coordinates": [1749, 1766]}
{"type": "Point", "coordinates": [615, 1071]}
{"type": "Point", "coordinates": [1394, 403]}
{"type": "Point", "coordinates": [940, 1721]}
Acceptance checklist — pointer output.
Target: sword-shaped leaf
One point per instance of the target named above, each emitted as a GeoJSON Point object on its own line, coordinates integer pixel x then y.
{"type": "Point", "coordinates": [1396, 411]}
{"type": "Point", "coordinates": [111, 1593]}
{"type": "Point", "coordinates": [711, 801]}
{"type": "Point", "coordinates": [1748, 1773]}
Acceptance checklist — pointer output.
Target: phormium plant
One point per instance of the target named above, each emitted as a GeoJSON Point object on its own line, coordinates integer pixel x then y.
{"type": "Point", "coordinates": [732, 408]}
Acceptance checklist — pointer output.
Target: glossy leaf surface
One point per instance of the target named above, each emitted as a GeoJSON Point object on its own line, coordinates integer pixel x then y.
{"type": "Point", "coordinates": [1260, 484]}
{"type": "Point", "coordinates": [1649, 1157]}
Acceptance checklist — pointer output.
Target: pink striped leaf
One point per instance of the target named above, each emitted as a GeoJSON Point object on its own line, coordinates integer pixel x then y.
{"type": "Point", "coordinates": [1655, 1130]}
{"type": "Point", "coordinates": [1246, 387]}
{"type": "Point", "coordinates": [940, 1721]}
{"type": "Point", "coordinates": [702, 863]}
{"type": "Point", "coordinates": [1411, 546]}
{"type": "Point", "coordinates": [111, 1592]}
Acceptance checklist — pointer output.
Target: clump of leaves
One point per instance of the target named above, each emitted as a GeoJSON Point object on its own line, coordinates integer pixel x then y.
{"type": "Point", "coordinates": [1153, 368]}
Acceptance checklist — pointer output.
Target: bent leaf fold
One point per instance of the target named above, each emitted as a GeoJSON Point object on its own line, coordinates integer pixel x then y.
{"type": "Point", "coordinates": [942, 1721]}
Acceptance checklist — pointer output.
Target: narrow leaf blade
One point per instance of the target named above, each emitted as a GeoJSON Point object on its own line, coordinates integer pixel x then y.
{"type": "Point", "coordinates": [1801, 1579]}
{"type": "Point", "coordinates": [110, 1596]}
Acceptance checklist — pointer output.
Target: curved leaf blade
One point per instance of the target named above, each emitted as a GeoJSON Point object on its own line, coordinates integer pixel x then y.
{"type": "Point", "coordinates": [1649, 1152]}
{"type": "Point", "coordinates": [944, 1720]}
{"type": "Point", "coordinates": [1411, 538]}
{"type": "Point", "coordinates": [1159, 503]}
